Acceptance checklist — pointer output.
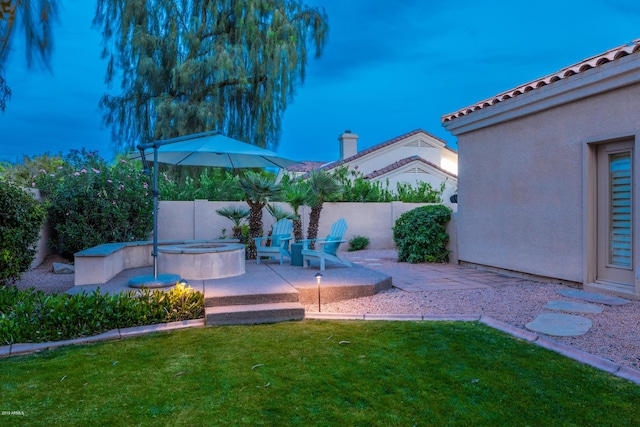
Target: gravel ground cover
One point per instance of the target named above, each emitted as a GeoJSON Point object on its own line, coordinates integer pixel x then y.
{"type": "Point", "coordinates": [615, 333]}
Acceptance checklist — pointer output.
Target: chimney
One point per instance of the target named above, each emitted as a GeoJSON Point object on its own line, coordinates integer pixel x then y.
{"type": "Point", "coordinates": [348, 144]}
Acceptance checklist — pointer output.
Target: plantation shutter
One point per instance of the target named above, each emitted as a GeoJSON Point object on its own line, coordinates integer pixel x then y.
{"type": "Point", "coordinates": [620, 226]}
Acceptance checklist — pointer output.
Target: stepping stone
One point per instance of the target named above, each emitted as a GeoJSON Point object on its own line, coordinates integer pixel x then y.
{"type": "Point", "coordinates": [577, 307]}
{"type": "Point", "coordinates": [591, 297]}
{"type": "Point", "coordinates": [560, 325]}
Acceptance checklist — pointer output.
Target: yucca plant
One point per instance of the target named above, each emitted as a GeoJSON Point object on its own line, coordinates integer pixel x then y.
{"type": "Point", "coordinates": [279, 213]}
{"type": "Point", "coordinates": [238, 215]}
{"type": "Point", "coordinates": [258, 190]}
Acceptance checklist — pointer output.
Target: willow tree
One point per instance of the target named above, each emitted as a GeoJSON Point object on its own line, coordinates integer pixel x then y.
{"type": "Point", "coordinates": [190, 66]}
{"type": "Point", "coordinates": [34, 19]}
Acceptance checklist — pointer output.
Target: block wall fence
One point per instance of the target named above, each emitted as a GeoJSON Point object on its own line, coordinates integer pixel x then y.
{"type": "Point", "coordinates": [198, 220]}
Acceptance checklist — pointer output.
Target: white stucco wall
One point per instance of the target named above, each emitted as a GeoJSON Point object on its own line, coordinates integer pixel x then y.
{"type": "Point", "coordinates": [419, 144]}
{"type": "Point", "coordinates": [199, 220]}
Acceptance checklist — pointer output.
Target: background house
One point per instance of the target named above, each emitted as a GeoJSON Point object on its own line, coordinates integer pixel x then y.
{"type": "Point", "coordinates": [413, 157]}
{"type": "Point", "coordinates": [548, 183]}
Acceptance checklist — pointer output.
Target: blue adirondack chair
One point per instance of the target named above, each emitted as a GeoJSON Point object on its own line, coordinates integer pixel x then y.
{"type": "Point", "coordinates": [326, 249]}
{"type": "Point", "coordinates": [279, 241]}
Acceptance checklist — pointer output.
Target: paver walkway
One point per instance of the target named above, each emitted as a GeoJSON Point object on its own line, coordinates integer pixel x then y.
{"type": "Point", "coordinates": [430, 277]}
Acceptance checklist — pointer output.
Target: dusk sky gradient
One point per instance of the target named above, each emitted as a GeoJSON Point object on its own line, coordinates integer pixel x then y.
{"type": "Point", "coordinates": [388, 68]}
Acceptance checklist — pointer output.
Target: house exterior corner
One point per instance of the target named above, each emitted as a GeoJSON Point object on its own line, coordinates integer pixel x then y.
{"type": "Point", "coordinates": [548, 182]}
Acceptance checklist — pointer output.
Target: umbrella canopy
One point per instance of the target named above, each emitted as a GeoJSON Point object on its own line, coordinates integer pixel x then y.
{"type": "Point", "coordinates": [202, 149]}
{"type": "Point", "coordinates": [213, 149]}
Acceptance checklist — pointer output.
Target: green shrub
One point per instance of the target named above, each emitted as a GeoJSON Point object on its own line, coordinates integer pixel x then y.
{"type": "Point", "coordinates": [22, 174]}
{"type": "Point", "coordinates": [356, 188]}
{"type": "Point", "coordinates": [33, 316]}
{"type": "Point", "coordinates": [421, 236]}
{"type": "Point", "coordinates": [358, 243]}
{"type": "Point", "coordinates": [421, 193]}
{"type": "Point", "coordinates": [92, 203]}
{"type": "Point", "coordinates": [190, 183]}
{"type": "Point", "coordinates": [21, 217]}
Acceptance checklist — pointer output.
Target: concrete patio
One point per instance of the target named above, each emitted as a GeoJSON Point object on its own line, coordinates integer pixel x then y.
{"type": "Point", "coordinates": [267, 292]}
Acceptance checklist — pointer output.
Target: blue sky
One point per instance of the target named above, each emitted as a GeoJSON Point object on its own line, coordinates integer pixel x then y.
{"type": "Point", "coordinates": [386, 70]}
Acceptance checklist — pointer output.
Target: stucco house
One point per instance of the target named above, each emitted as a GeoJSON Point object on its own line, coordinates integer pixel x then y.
{"type": "Point", "coordinates": [548, 183]}
{"type": "Point", "coordinates": [413, 157]}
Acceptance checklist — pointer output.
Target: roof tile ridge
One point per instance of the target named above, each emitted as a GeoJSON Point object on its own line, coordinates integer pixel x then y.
{"type": "Point", "coordinates": [398, 163]}
{"type": "Point", "coordinates": [576, 68]}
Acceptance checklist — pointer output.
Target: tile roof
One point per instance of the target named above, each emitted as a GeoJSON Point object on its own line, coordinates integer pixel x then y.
{"type": "Point", "coordinates": [580, 67]}
{"type": "Point", "coordinates": [305, 166]}
{"type": "Point", "coordinates": [336, 163]}
{"type": "Point", "coordinates": [404, 162]}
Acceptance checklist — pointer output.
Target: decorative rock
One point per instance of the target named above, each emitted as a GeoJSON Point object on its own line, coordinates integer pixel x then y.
{"type": "Point", "coordinates": [60, 268]}
{"type": "Point", "coordinates": [561, 325]}
{"type": "Point", "coordinates": [591, 297]}
{"type": "Point", "coordinates": [577, 307]}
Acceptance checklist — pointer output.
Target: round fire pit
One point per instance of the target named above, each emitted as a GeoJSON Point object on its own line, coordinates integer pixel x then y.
{"type": "Point", "coordinates": [202, 261]}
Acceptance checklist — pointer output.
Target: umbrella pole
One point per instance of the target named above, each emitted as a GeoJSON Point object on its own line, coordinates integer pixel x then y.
{"type": "Point", "coordinates": [163, 280]}
{"type": "Point", "coordinates": [156, 194]}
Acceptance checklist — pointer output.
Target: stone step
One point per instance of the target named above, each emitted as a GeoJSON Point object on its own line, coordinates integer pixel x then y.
{"type": "Point", "coordinates": [251, 299]}
{"type": "Point", "coordinates": [254, 314]}
{"type": "Point", "coordinates": [572, 306]}
{"type": "Point", "coordinates": [591, 297]}
{"type": "Point", "coordinates": [560, 325]}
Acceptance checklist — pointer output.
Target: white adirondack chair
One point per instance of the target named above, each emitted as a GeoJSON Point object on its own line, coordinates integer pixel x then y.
{"type": "Point", "coordinates": [279, 241]}
{"type": "Point", "coordinates": [327, 249]}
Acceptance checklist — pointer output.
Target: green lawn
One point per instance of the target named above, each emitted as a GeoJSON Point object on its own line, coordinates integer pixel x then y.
{"type": "Point", "coordinates": [313, 373]}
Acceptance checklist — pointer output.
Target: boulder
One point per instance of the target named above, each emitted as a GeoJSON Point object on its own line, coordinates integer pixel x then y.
{"type": "Point", "coordinates": [60, 268]}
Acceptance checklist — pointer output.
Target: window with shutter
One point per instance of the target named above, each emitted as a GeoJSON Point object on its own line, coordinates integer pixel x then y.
{"type": "Point", "coordinates": [620, 227]}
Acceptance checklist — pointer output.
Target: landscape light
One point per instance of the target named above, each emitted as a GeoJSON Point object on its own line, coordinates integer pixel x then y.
{"type": "Point", "coordinates": [318, 278]}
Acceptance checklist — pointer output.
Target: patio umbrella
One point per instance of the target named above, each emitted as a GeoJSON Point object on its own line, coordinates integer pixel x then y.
{"type": "Point", "coordinates": [202, 149]}
{"type": "Point", "coordinates": [214, 149]}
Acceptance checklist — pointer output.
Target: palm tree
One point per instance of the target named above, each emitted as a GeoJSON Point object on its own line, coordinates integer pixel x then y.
{"type": "Point", "coordinates": [258, 189]}
{"type": "Point", "coordinates": [279, 213]}
{"type": "Point", "coordinates": [237, 214]}
{"type": "Point", "coordinates": [297, 194]}
{"type": "Point", "coordinates": [36, 19]}
{"type": "Point", "coordinates": [322, 186]}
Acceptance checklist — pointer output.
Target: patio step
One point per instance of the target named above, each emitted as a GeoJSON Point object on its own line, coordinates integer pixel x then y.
{"type": "Point", "coordinates": [254, 313]}
{"type": "Point", "coordinates": [251, 299]}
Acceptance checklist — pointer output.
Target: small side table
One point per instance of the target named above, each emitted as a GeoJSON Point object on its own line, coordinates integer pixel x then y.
{"type": "Point", "coordinates": [296, 254]}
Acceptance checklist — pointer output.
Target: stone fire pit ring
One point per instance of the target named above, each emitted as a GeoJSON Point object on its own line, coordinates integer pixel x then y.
{"type": "Point", "coordinates": [202, 261]}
